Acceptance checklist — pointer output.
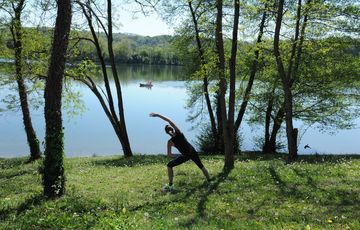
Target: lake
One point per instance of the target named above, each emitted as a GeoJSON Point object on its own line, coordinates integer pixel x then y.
{"type": "Point", "coordinates": [91, 133]}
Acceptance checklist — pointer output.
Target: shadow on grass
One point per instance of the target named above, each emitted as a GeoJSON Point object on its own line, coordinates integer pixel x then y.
{"type": "Point", "coordinates": [33, 201]}
{"type": "Point", "coordinates": [336, 197]}
{"type": "Point", "coordinates": [10, 176]}
{"type": "Point", "coordinates": [285, 189]}
{"type": "Point", "coordinates": [8, 163]}
{"type": "Point", "coordinates": [136, 160]}
{"type": "Point", "coordinates": [210, 188]}
{"type": "Point", "coordinates": [57, 211]}
{"type": "Point", "coordinates": [141, 160]}
{"type": "Point", "coordinates": [309, 180]}
{"type": "Point", "coordinates": [315, 159]}
{"type": "Point", "coordinates": [344, 201]}
{"type": "Point", "coordinates": [258, 156]}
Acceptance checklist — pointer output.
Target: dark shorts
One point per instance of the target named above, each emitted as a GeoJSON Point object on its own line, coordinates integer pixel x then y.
{"type": "Point", "coordinates": [183, 158]}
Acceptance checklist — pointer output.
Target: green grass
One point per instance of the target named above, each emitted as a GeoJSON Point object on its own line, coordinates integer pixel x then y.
{"type": "Point", "coordinates": [262, 192]}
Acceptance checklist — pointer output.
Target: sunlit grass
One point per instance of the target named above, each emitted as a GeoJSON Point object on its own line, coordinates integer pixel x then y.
{"type": "Point", "coordinates": [262, 192]}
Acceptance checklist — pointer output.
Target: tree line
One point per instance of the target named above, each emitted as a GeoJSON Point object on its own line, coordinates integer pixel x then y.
{"type": "Point", "coordinates": [133, 49]}
{"type": "Point", "coordinates": [128, 48]}
{"type": "Point", "coordinates": [288, 50]}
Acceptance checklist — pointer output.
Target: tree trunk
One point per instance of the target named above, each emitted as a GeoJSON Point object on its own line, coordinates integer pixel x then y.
{"type": "Point", "coordinates": [228, 149]}
{"type": "Point", "coordinates": [205, 79]}
{"type": "Point", "coordinates": [219, 118]}
{"type": "Point", "coordinates": [301, 41]}
{"type": "Point", "coordinates": [271, 147]}
{"type": "Point", "coordinates": [125, 138]}
{"type": "Point", "coordinates": [295, 43]}
{"type": "Point", "coordinates": [115, 124]}
{"type": "Point", "coordinates": [289, 78]}
{"type": "Point", "coordinates": [253, 72]}
{"type": "Point", "coordinates": [286, 82]}
{"type": "Point", "coordinates": [117, 120]}
{"type": "Point", "coordinates": [16, 31]}
{"type": "Point", "coordinates": [54, 178]}
{"type": "Point", "coordinates": [267, 125]}
{"type": "Point", "coordinates": [32, 139]}
{"type": "Point", "coordinates": [229, 156]}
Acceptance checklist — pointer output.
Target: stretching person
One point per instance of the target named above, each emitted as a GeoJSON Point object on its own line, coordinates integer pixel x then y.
{"type": "Point", "coordinates": [187, 151]}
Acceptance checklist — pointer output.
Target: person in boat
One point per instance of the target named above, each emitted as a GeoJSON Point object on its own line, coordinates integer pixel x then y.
{"type": "Point", "coordinates": [187, 151]}
{"type": "Point", "coordinates": [147, 84]}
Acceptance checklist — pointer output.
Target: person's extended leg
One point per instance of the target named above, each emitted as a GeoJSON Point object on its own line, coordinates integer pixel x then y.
{"type": "Point", "coordinates": [170, 175]}
{"type": "Point", "coordinates": [196, 159]}
{"type": "Point", "coordinates": [179, 160]}
{"type": "Point", "coordinates": [206, 173]}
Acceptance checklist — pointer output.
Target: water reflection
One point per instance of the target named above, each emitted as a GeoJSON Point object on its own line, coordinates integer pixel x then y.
{"type": "Point", "coordinates": [156, 73]}
{"type": "Point", "coordinates": [92, 134]}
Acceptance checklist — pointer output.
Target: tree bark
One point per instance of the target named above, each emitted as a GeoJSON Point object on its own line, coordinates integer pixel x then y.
{"type": "Point", "coordinates": [125, 138]}
{"type": "Point", "coordinates": [227, 118]}
{"type": "Point", "coordinates": [286, 82]}
{"type": "Point", "coordinates": [295, 42]}
{"type": "Point", "coordinates": [220, 133]}
{"type": "Point", "coordinates": [229, 156]}
{"type": "Point", "coordinates": [229, 164]}
{"type": "Point", "coordinates": [54, 178]}
{"type": "Point", "coordinates": [205, 78]}
{"type": "Point", "coordinates": [117, 119]}
{"type": "Point", "coordinates": [16, 31]}
{"type": "Point", "coordinates": [253, 72]}
{"type": "Point", "coordinates": [268, 111]}
{"type": "Point", "coordinates": [301, 42]}
{"type": "Point", "coordinates": [293, 66]}
{"type": "Point", "coordinates": [279, 118]}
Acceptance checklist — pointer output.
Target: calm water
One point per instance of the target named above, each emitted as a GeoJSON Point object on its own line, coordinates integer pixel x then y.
{"type": "Point", "coordinates": [91, 133]}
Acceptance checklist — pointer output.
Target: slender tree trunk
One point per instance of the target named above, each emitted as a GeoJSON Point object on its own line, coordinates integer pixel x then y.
{"type": "Point", "coordinates": [125, 137]}
{"type": "Point", "coordinates": [228, 149]}
{"type": "Point", "coordinates": [253, 72]}
{"type": "Point", "coordinates": [88, 16]}
{"type": "Point", "coordinates": [301, 41]}
{"type": "Point", "coordinates": [219, 118]}
{"type": "Point", "coordinates": [54, 178]}
{"type": "Point", "coordinates": [271, 146]}
{"type": "Point", "coordinates": [286, 82]}
{"type": "Point", "coordinates": [16, 31]}
{"type": "Point", "coordinates": [279, 119]}
{"type": "Point", "coordinates": [292, 72]}
{"type": "Point", "coordinates": [267, 124]}
{"type": "Point", "coordinates": [92, 86]}
{"type": "Point", "coordinates": [117, 120]}
{"type": "Point", "coordinates": [229, 156]}
{"type": "Point", "coordinates": [32, 139]}
{"type": "Point", "coordinates": [295, 42]}
{"type": "Point", "coordinates": [205, 78]}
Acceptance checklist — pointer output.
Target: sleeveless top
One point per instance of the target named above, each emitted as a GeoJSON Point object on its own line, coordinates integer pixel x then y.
{"type": "Point", "coordinates": [182, 144]}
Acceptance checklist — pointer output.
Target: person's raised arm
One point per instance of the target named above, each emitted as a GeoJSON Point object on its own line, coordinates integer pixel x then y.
{"type": "Point", "coordinates": [165, 119]}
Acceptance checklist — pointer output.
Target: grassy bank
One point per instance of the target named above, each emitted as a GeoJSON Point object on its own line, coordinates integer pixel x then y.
{"type": "Point", "coordinates": [116, 193]}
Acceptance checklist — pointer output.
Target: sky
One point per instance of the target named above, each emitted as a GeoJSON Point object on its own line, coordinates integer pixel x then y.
{"type": "Point", "coordinates": [127, 17]}
{"type": "Point", "coordinates": [137, 23]}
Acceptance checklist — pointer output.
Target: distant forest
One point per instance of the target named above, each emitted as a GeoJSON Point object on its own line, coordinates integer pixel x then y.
{"type": "Point", "coordinates": [128, 48]}
{"type": "Point", "coordinates": [137, 49]}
